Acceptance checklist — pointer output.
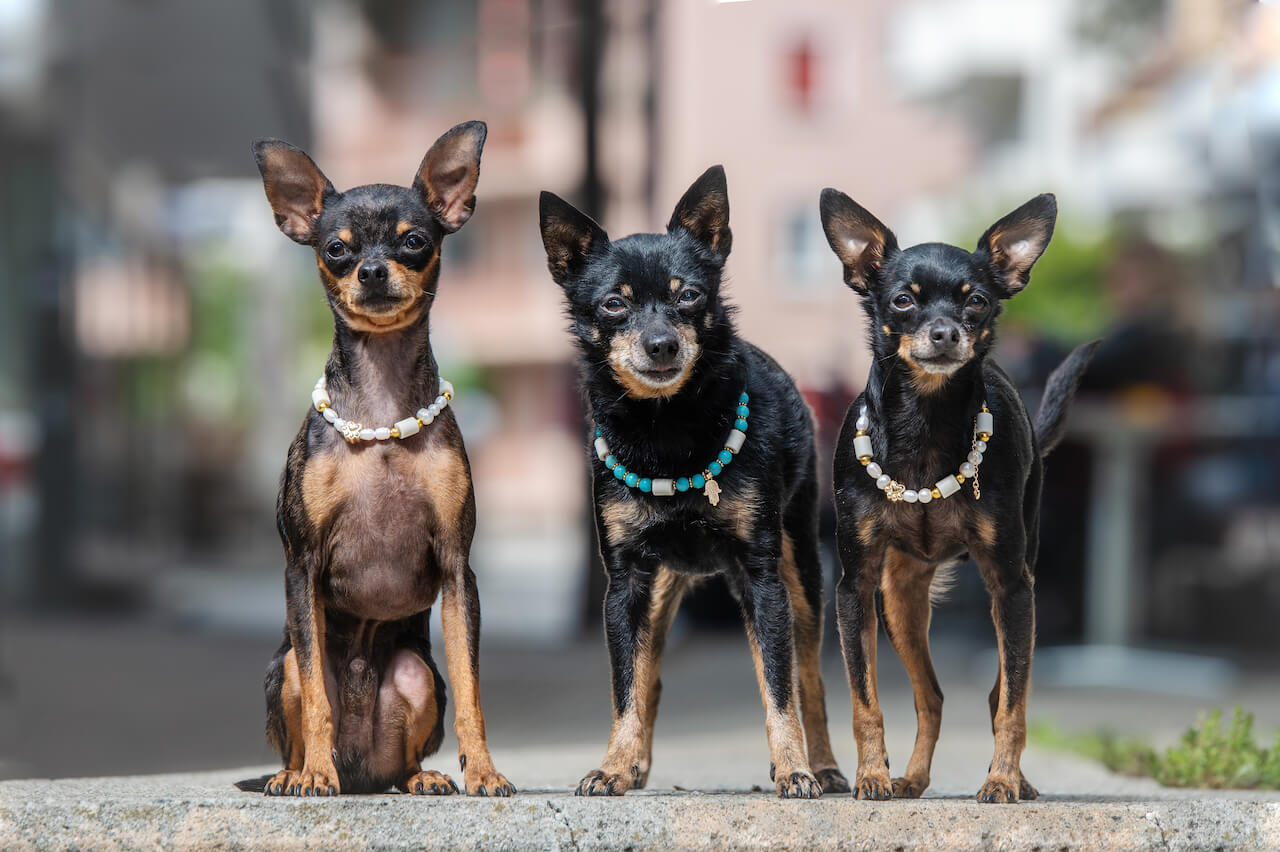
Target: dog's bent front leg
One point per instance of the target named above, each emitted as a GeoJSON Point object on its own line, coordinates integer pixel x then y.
{"type": "Point", "coordinates": [857, 623]}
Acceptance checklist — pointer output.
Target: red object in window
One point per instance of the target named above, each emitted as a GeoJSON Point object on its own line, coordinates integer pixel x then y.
{"type": "Point", "coordinates": [802, 66]}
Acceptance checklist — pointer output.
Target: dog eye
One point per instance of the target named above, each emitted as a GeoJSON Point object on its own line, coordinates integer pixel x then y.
{"type": "Point", "coordinates": [336, 249]}
{"type": "Point", "coordinates": [902, 301]}
{"type": "Point", "coordinates": [978, 302]}
{"type": "Point", "coordinates": [689, 296]}
{"type": "Point", "coordinates": [613, 305]}
{"type": "Point", "coordinates": [414, 242]}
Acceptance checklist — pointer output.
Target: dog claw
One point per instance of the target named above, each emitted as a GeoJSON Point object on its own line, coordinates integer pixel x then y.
{"type": "Point", "coordinates": [873, 787]}
{"type": "Point", "coordinates": [797, 785]}
{"type": "Point", "coordinates": [997, 792]}
{"type": "Point", "coordinates": [597, 783]}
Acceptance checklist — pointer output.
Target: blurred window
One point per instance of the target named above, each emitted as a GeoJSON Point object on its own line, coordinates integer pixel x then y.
{"type": "Point", "coordinates": [802, 258]}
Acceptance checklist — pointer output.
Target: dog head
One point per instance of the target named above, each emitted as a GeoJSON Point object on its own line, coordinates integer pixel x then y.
{"type": "Point", "coordinates": [934, 305]}
{"type": "Point", "coordinates": [377, 246]}
{"type": "Point", "coordinates": [646, 309]}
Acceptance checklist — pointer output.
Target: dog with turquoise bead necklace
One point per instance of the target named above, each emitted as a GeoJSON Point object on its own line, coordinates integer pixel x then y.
{"type": "Point", "coordinates": [936, 416]}
{"type": "Point", "coordinates": [702, 462]}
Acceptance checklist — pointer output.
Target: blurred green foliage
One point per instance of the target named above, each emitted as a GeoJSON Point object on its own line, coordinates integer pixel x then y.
{"type": "Point", "coordinates": [1065, 300]}
{"type": "Point", "coordinates": [1205, 756]}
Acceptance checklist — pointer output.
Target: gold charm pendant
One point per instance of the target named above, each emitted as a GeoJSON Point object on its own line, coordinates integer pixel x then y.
{"type": "Point", "coordinates": [352, 432]}
{"type": "Point", "coordinates": [712, 491]}
{"type": "Point", "coordinates": [894, 491]}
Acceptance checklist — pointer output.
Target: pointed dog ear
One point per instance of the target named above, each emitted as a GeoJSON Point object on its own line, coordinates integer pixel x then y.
{"type": "Point", "coordinates": [703, 211]}
{"type": "Point", "coordinates": [859, 239]}
{"type": "Point", "coordinates": [449, 172]}
{"type": "Point", "coordinates": [296, 188]}
{"type": "Point", "coordinates": [1015, 243]}
{"type": "Point", "coordinates": [569, 236]}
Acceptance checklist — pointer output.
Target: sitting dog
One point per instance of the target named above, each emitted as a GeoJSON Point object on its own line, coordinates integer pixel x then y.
{"type": "Point", "coordinates": [909, 498]}
{"type": "Point", "coordinates": [376, 519]}
{"type": "Point", "coordinates": [683, 488]}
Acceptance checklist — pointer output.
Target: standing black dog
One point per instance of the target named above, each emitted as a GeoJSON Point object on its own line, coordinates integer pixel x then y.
{"type": "Point", "coordinates": [683, 488]}
{"type": "Point", "coordinates": [376, 522]}
{"type": "Point", "coordinates": [908, 496]}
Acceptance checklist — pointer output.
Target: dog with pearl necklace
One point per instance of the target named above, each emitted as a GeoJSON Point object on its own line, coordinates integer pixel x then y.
{"type": "Point", "coordinates": [936, 416]}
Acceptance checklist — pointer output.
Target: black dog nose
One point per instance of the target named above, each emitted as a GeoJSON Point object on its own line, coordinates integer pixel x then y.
{"type": "Point", "coordinates": [944, 332]}
{"type": "Point", "coordinates": [661, 346]}
{"type": "Point", "coordinates": [376, 272]}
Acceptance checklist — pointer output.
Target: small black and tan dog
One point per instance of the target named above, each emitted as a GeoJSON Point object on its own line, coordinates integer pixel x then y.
{"type": "Point", "coordinates": [955, 467]}
{"type": "Point", "coordinates": [375, 527]}
{"type": "Point", "coordinates": [683, 487]}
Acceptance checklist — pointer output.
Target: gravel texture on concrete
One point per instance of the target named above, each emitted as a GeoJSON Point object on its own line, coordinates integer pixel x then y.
{"type": "Point", "coordinates": [204, 812]}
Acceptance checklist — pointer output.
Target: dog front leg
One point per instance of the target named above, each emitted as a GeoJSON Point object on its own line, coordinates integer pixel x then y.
{"type": "Point", "coordinates": [460, 619]}
{"type": "Point", "coordinates": [639, 605]}
{"type": "Point", "coordinates": [305, 677]}
{"type": "Point", "coordinates": [766, 609]}
{"type": "Point", "coordinates": [857, 624]}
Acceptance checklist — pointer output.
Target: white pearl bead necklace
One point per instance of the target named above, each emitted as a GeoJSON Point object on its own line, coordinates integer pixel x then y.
{"type": "Point", "coordinates": [354, 432]}
{"type": "Point", "coordinates": [896, 492]}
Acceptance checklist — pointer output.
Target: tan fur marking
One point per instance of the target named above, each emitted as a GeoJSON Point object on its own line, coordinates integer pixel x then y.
{"type": "Point", "coordinates": [985, 528]}
{"type": "Point", "coordinates": [674, 284]}
{"type": "Point", "coordinates": [782, 727]}
{"type": "Point", "coordinates": [915, 288]}
{"type": "Point", "coordinates": [966, 288]}
{"type": "Point", "coordinates": [740, 510]}
{"type": "Point", "coordinates": [923, 381]}
{"type": "Point", "coordinates": [291, 703]}
{"type": "Point", "coordinates": [345, 235]}
{"type": "Point", "coordinates": [402, 226]}
{"type": "Point", "coordinates": [447, 481]}
{"type": "Point", "coordinates": [887, 332]}
{"type": "Point", "coordinates": [867, 528]}
{"type": "Point", "coordinates": [807, 639]}
{"type": "Point", "coordinates": [626, 290]}
{"type": "Point", "coordinates": [985, 333]}
{"type": "Point", "coordinates": [319, 496]}
{"type": "Point", "coordinates": [620, 518]}
{"type": "Point", "coordinates": [620, 359]}
{"type": "Point", "coordinates": [595, 335]}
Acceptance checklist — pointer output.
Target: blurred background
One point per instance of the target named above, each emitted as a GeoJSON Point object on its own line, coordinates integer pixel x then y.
{"type": "Point", "coordinates": [159, 337]}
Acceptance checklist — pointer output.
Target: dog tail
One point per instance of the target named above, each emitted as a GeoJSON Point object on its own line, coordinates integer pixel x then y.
{"type": "Point", "coordinates": [1051, 418]}
{"type": "Point", "coordinates": [254, 785]}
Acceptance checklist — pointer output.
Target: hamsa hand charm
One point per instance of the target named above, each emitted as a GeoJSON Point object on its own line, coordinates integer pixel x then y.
{"type": "Point", "coordinates": [712, 491]}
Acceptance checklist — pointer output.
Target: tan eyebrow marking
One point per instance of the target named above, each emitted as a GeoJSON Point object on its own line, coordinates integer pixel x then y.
{"type": "Point", "coordinates": [402, 227]}
{"type": "Point", "coordinates": [345, 235]}
{"type": "Point", "coordinates": [915, 288]}
{"type": "Point", "coordinates": [626, 290]}
{"type": "Point", "coordinates": [675, 284]}
{"type": "Point", "coordinates": [966, 288]}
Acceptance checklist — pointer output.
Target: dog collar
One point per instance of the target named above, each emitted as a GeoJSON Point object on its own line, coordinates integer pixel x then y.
{"type": "Point", "coordinates": [896, 492]}
{"type": "Point", "coordinates": [355, 432]}
{"type": "Point", "coordinates": [666, 486]}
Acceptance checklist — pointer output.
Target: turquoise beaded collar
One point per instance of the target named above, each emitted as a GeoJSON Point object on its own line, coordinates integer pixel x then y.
{"type": "Point", "coordinates": [705, 481]}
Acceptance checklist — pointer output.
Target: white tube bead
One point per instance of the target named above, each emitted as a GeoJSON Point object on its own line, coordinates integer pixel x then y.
{"type": "Point", "coordinates": [330, 415]}
{"type": "Point", "coordinates": [320, 381]}
{"type": "Point", "coordinates": [602, 448]}
{"type": "Point", "coordinates": [664, 487]}
{"type": "Point", "coordinates": [408, 426]}
{"type": "Point", "coordinates": [862, 446]}
{"type": "Point", "coordinates": [874, 471]}
{"type": "Point", "coordinates": [382, 433]}
{"type": "Point", "coordinates": [947, 486]}
{"type": "Point", "coordinates": [366, 434]}
{"type": "Point", "coordinates": [319, 396]}
{"type": "Point", "coordinates": [446, 387]}
{"type": "Point", "coordinates": [910, 496]}
{"type": "Point", "coordinates": [924, 495]}
{"type": "Point", "coordinates": [882, 481]}
{"type": "Point", "coordinates": [986, 422]}
{"type": "Point", "coordinates": [968, 469]}
{"type": "Point", "coordinates": [734, 441]}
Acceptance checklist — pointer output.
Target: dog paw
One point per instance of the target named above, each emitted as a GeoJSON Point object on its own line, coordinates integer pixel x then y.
{"type": "Point", "coordinates": [304, 782]}
{"type": "Point", "coordinates": [832, 780]}
{"type": "Point", "coordinates": [874, 785]}
{"type": "Point", "coordinates": [909, 788]}
{"type": "Point", "coordinates": [1026, 792]}
{"type": "Point", "coordinates": [601, 783]}
{"type": "Point", "coordinates": [797, 785]}
{"type": "Point", "coordinates": [430, 783]}
{"type": "Point", "coordinates": [998, 791]}
{"type": "Point", "coordinates": [487, 783]}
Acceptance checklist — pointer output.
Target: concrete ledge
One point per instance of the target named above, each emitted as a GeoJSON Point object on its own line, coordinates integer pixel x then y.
{"type": "Point", "coordinates": [203, 811]}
